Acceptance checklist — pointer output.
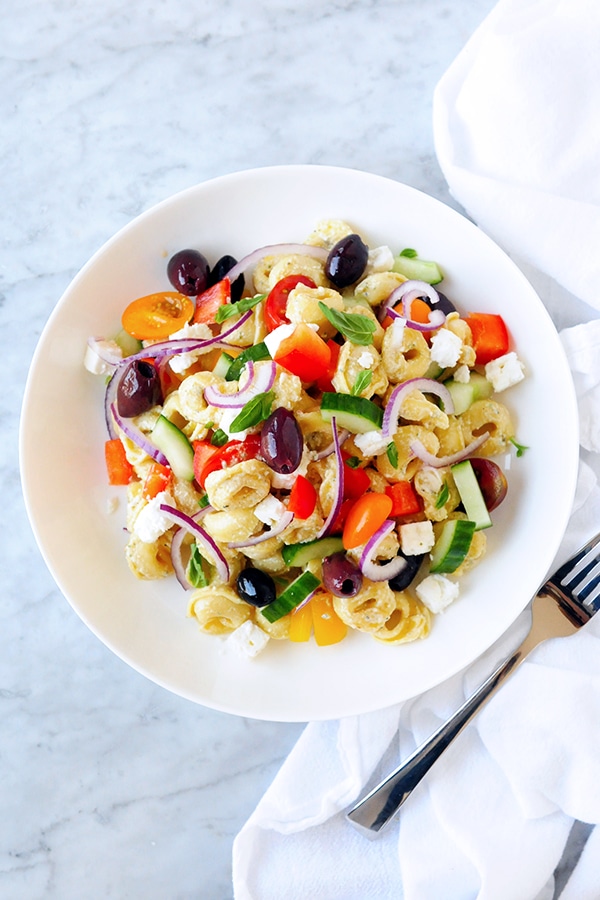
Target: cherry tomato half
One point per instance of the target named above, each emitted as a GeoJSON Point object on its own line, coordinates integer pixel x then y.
{"type": "Point", "coordinates": [276, 302]}
{"type": "Point", "coordinates": [156, 316]}
{"type": "Point", "coordinates": [229, 454]}
{"type": "Point", "coordinates": [367, 515]}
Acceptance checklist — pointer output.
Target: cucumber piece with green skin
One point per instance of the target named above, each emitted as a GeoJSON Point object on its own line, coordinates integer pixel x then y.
{"type": "Point", "coordinates": [301, 554]}
{"type": "Point", "coordinates": [452, 546]}
{"type": "Point", "coordinates": [222, 365]}
{"type": "Point", "coordinates": [465, 394]}
{"type": "Point", "coordinates": [176, 447]}
{"type": "Point", "coordinates": [293, 595]}
{"type": "Point", "coordinates": [470, 494]}
{"type": "Point", "coordinates": [356, 414]}
{"type": "Point", "coordinates": [418, 269]}
{"type": "Point", "coordinates": [128, 344]}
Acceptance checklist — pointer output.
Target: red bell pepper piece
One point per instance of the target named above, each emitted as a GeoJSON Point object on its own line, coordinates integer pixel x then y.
{"type": "Point", "coordinates": [405, 500]}
{"type": "Point", "coordinates": [324, 383]}
{"type": "Point", "coordinates": [210, 300]}
{"type": "Point", "coordinates": [118, 467]}
{"type": "Point", "coordinates": [356, 480]}
{"type": "Point", "coordinates": [304, 354]}
{"type": "Point", "coordinates": [303, 498]}
{"type": "Point", "coordinates": [158, 478]}
{"type": "Point", "coordinates": [490, 336]}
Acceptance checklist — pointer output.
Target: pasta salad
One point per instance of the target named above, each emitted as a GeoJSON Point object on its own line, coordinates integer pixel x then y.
{"type": "Point", "coordinates": [305, 438]}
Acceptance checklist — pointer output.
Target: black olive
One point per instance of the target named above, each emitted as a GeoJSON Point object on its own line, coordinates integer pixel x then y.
{"type": "Point", "coordinates": [139, 389]}
{"type": "Point", "coordinates": [341, 576]}
{"type": "Point", "coordinates": [187, 270]}
{"type": "Point", "coordinates": [220, 270]}
{"type": "Point", "coordinates": [347, 261]}
{"type": "Point", "coordinates": [255, 587]}
{"type": "Point", "coordinates": [402, 580]}
{"type": "Point", "coordinates": [281, 441]}
{"type": "Point", "coordinates": [446, 306]}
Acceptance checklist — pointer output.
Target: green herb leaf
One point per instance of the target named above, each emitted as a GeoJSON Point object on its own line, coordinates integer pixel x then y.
{"type": "Point", "coordinates": [353, 462]}
{"type": "Point", "coordinates": [253, 412]}
{"type": "Point", "coordinates": [195, 571]}
{"type": "Point", "coordinates": [356, 328]}
{"type": "Point", "coordinates": [256, 352]}
{"type": "Point", "coordinates": [392, 454]}
{"type": "Point", "coordinates": [442, 496]}
{"type": "Point", "coordinates": [203, 501]}
{"type": "Point", "coordinates": [520, 448]}
{"type": "Point", "coordinates": [219, 438]}
{"type": "Point", "coordinates": [232, 309]}
{"type": "Point", "coordinates": [363, 380]}
{"type": "Point", "coordinates": [409, 253]}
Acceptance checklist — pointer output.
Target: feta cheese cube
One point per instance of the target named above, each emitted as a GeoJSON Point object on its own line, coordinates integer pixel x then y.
{"type": "Point", "coordinates": [275, 337]}
{"type": "Point", "coordinates": [95, 364]}
{"type": "Point", "coordinates": [365, 360]}
{"type": "Point", "coordinates": [505, 371]}
{"type": "Point", "coordinates": [225, 419]}
{"type": "Point", "coordinates": [416, 538]}
{"type": "Point", "coordinates": [462, 374]}
{"type": "Point", "coordinates": [270, 510]}
{"type": "Point", "coordinates": [248, 640]}
{"type": "Point", "coordinates": [151, 523]}
{"type": "Point", "coordinates": [182, 361]}
{"type": "Point", "coordinates": [371, 443]}
{"type": "Point", "coordinates": [380, 259]}
{"type": "Point", "coordinates": [445, 348]}
{"type": "Point", "coordinates": [437, 592]}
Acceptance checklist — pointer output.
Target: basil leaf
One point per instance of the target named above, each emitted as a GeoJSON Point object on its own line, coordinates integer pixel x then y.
{"type": "Point", "coordinates": [195, 572]}
{"type": "Point", "coordinates": [253, 412]}
{"type": "Point", "coordinates": [442, 496]}
{"type": "Point", "coordinates": [409, 253]}
{"type": "Point", "coordinates": [256, 352]}
{"type": "Point", "coordinates": [219, 438]}
{"type": "Point", "coordinates": [392, 454]}
{"type": "Point", "coordinates": [363, 380]}
{"type": "Point", "coordinates": [353, 462]}
{"type": "Point", "coordinates": [520, 448]}
{"type": "Point", "coordinates": [231, 309]}
{"type": "Point", "coordinates": [356, 328]}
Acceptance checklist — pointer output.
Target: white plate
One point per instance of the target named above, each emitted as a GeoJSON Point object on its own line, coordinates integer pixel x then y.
{"type": "Point", "coordinates": [145, 623]}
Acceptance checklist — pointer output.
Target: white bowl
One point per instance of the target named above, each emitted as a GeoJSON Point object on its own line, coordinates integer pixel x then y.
{"type": "Point", "coordinates": [145, 623]}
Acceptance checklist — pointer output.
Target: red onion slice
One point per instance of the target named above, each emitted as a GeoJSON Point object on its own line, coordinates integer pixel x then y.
{"type": "Point", "coordinates": [407, 292]}
{"type": "Point", "coordinates": [176, 547]}
{"type": "Point", "coordinates": [138, 437]}
{"type": "Point", "coordinates": [275, 250]}
{"type": "Point", "coordinates": [399, 395]}
{"type": "Point", "coordinates": [110, 399]}
{"type": "Point", "coordinates": [339, 483]}
{"type": "Point", "coordinates": [438, 462]}
{"type": "Point", "coordinates": [330, 448]}
{"type": "Point", "coordinates": [103, 353]}
{"type": "Point", "coordinates": [259, 380]}
{"type": "Point", "coordinates": [282, 524]}
{"type": "Point", "coordinates": [436, 320]}
{"type": "Point", "coordinates": [373, 570]}
{"type": "Point", "coordinates": [203, 538]}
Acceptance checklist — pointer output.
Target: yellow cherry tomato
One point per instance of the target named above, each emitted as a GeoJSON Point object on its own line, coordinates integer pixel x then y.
{"type": "Point", "coordinates": [366, 515]}
{"type": "Point", "coordinates": [156, 316]}
{"type": "Point", "coordinates": [327, 625]}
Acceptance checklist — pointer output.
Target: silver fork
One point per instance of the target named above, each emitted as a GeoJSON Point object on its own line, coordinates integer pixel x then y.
{"type": "Point", "coordinates": [568, 600]}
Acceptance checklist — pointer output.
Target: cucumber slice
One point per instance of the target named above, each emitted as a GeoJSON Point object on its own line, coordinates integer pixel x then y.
{"type": "Point", "coordinates": [356, 414]}
{"type": "Point", "coordinates": [470, 494]}
{"type": "Point", "coordinates": [301, 554]}
{"type": "Point", "coordinates": [128, 344]}
{"type": "Point", "coordinates": [464, 395]}
{"type": "Point", "coordinates": [258, 351]}
{"type": "Point", "coordinates": [222, 365]}
{"type": "Point", "coordinates": [175, 446]}
{"type": "Point", "coordinates": [452, 545]}
{"type": "Point", "coordinates": [419, 269]}
{"type": "Point", "coordinates": [292, 596]}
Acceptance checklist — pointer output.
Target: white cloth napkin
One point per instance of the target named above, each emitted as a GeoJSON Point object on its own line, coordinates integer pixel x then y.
{"type": "Point", "coordinates": [518, 138]}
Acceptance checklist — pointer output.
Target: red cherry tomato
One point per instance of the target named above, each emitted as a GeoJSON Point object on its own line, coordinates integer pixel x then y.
{"type": "Point", "coordinates": [209, 459]}
{"type": "Point", "coordinates": [276, 302]}
{"type": "Point", "coordinates": [367, 515]}
{"type": "Point", "coordinates": [356, 480]}
{"type": "Point", "coordinates": [324, 383]}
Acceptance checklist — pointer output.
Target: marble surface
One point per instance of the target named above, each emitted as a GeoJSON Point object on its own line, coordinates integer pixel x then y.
{"type": "Point", "coordinates": [110, 786]}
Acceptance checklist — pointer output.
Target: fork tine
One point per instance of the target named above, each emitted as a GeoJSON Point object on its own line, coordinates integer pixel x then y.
{"type": "Point", "coordinates": [587, 560]}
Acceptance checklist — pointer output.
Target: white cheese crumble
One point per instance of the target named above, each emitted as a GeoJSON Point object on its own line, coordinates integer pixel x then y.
{"type": "Point", "coordinates": [286, 482]}
{"type": "Point", "coordinates": [182, 361]}
{"type": "Point", "coordinates": [281, 333]}
{"type": "Point", "coordinates": [437, 592]}
{"type": "Point", "coordinates": [445, 348]}
{"type": "Point", "coordinates": [505, 371]}
{"type": "Point", "coordinates": [269, 511]}
{"type": "Point", "coordinates": [248, 640]}
{"type": "Point", "coordinates": [380, 259]}
{"type": "Point", "coordinates": [365, 360]}
{"type": "Point", "coordinates": [151, 523]}
{"type": "Point", "coordinates": [416, 538]}
{"type": "Point", "coordinates": [397, 333]}
{"type": "Point", "coordinates": [95, 364]}
{"type": "Point", "coordinates": [462, 374]}
{"type": "Point", "coordinates": [371, 443]}
{"type": "Point", "coordinates": [225, 419]}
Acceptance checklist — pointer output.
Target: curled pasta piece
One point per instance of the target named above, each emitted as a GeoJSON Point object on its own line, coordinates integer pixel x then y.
{"type": "Point", "coordinates": [186, 496]}
{"type": "Point", "coordinates": [409, 358]}
{"type": "Point", "coordinates": [274, 565]}
{"type": "Point", "coordinates": [408, 464]}
{"type": "Point", "coordinates": [409, 621]}
{"type": "Point", "coordinates": [218, 609]}
{"type": "Point", "coordinates": [300, 530]}
{"type": "Point", "coordinates": [451, 438]}
{"type": "Point", "coordinates": [417, 408]}
{"type": "Point", "coordinates": [234, 525]}
{"type": "Point", "coordinates": [241, 486]}
{"type": "Point", "coordinates": [303, 306]}
{"type": "Point", "coordinates": [279, 630]}
{"type": "Point", "coordinates": [150, 561]}
{"type": "Point", "coordinates": [327, 232]}
{"type": "Point", "coordinates": [368, 610]}
{"type": "Point", "coordinates": [490, 416]}
{"type": "Point", "coordinates": [429, 484]}
{"type": "Point", "coordinates": [377, 287]}
{"type": "Point", "coordinates": [191, 400]}
{"type": "Point", "coordinates": [461, 329]}
{"type": "Point", "coordinates": [476, 550]}
{"type": "Point", "coordinates": [354, 360]}
{"type": "Point", "coordinates": [289, 392]}
{"type": "Point", "coordinates": [251, 332]}
{"type": "Point", "coordinates": [271, 269]}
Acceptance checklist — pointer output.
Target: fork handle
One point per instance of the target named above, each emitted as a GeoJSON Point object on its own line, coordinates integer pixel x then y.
{"type": "Point", "coordinates": [375, 810]}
